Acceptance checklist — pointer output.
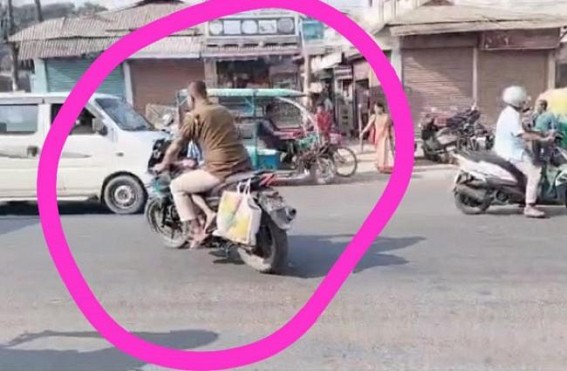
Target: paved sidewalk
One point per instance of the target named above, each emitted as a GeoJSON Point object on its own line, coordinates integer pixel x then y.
{"type": "Point", "coordinates": [366, 160]}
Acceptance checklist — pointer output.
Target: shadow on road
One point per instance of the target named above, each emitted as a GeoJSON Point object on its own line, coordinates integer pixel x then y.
{"type": "Point", "coordinates": [12, 225]}
{"type": "Point", "coordinates": [108, 359]}
{"type": "Point", "coordinates": [553, 211]}
{"type": "Point", "coordinates": [313, 256]}
{"type": "Point", "coordinates": [21, 215]}
{"type": "Point", "coordinates": [65, 208]}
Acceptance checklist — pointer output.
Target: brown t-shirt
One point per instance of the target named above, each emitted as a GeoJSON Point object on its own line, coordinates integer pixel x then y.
{"type": "Point", "coordinates": [212, 127]}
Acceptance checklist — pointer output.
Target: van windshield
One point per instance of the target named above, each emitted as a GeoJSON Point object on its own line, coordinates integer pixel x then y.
{"type": "Point", "coordinates": [123, 114]}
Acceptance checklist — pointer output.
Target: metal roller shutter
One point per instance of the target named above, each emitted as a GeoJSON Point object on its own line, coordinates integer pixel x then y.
{"type": "Point", "coordinates": [156, 81]}
{"type": "Point", "coordinates": [63, 74]}
{"type": "Point", "coordinates": [440, 78]}
{"type": "Point", "coordinates": [500, 69]}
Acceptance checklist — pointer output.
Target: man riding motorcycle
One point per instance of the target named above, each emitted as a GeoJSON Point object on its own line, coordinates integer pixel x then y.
{"type": "Point", "coordinates": [212, 128]}
{"type": "Point", "coordinates": [510, 143]}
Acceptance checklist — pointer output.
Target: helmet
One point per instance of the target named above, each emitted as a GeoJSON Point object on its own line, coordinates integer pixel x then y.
{"type": "Point", "coordinates": [515, 96]}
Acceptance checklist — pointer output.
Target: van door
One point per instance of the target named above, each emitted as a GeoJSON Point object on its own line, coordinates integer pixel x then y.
{"type": "Point", "coordinates": [21, 137]}
{"type": "Point", "coordinates": [88, 157]}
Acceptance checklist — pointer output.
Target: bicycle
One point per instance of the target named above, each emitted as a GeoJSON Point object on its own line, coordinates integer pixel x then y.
{"type": "Point", "coordinates": [344, 158]}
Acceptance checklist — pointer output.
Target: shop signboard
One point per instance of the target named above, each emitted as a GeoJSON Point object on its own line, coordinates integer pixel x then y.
{"type": "Point", "coordinates": [312, 31]}
{"type": "Point", "coordinates": [254, 24]}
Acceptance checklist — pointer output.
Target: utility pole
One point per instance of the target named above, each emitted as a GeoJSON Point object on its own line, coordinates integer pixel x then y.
{"type": "Point", "coordinates": [12, 46]}
{"type": "Point", "coordinates": [38, 11]}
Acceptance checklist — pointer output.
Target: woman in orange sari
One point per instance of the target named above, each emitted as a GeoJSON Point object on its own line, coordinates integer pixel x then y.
{"type": "Point", "coordinates": [381, 124]}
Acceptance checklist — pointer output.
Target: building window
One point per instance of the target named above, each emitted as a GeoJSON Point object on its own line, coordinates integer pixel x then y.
{"type": "Point", "coordinates": [18, 119]}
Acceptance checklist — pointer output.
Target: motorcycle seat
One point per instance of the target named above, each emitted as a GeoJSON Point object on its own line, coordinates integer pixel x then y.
{"type": "Point", "coordinates": [493, 158]}
{"type": "Point", "coordinates": [239, 177]}
{"type": "Point", "coordinates": [235, 178]}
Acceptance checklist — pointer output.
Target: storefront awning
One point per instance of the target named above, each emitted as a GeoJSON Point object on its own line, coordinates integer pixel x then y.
{"type": "Point", "coordinates": [249, 52]}
{"type": "Point", "coordinates": [326, 62]}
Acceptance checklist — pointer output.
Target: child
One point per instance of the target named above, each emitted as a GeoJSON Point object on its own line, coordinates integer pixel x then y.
{"type": "Point", "coordinates": [193, 161]}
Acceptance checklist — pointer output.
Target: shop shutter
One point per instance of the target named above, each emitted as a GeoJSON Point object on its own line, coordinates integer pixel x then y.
{"type": "Point", "coordinates": [440, 78]}
{"type": "Point", "coordinates": [63, 75]}
{"type": "Point", "coordinates": [500, 69]}
{"type": "Point", "coordinates": [156, 81]}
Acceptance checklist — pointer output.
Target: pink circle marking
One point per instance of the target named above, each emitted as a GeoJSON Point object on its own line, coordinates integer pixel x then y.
{"type": "Point", "coordinates": [306, 316]}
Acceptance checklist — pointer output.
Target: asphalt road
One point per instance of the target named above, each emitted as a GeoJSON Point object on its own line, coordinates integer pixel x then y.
{"type": "Point", "coordinates": [438, 290]}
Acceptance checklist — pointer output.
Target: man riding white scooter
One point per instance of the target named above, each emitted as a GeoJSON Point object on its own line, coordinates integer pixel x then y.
{"type": "Point", "coordinates": [511, 141]}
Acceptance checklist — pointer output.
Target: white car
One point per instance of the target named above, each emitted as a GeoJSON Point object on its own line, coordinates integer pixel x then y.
{"type": "Point", "coordinates": [105, 156]}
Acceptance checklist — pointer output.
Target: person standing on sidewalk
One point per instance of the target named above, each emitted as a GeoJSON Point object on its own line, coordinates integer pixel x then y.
{"type": "Point", "coordinates": [381, 123]}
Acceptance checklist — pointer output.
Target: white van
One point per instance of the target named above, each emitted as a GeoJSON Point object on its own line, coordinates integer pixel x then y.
{"type": "Point", "coordinates": [105, 156]}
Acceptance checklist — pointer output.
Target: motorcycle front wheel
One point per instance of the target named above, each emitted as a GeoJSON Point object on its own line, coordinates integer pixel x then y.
{"type": "Point", "coordinates": [270, 254]}
{"type": "Point", "coordinates": [174, 236]}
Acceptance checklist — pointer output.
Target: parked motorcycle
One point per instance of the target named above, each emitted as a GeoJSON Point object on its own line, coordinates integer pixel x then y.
{"type": "Point", "coordinates": [475, 136]}
{"type": "Point", "coordinates": [270, 253]}
{"type": "Point", "coordinates": [485, 179]}
{"type": "Point", "coordinates": [443, 136]}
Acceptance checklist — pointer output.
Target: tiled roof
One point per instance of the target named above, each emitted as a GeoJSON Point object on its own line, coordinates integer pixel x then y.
{"type": "Point", "coordinates": [457, 18]}
{"type": "Point", "coordinates": [66, 37]}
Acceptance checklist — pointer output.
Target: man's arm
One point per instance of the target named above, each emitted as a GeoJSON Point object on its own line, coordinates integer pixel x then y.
{"type": "Point", "coordinates": [172, 152]}
{"type": "Point", "coordinates": [182, 141]}
{"type": "Point", "coordinates": [535, 136]}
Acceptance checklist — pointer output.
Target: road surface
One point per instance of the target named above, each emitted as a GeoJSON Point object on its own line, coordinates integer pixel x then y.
{"type": "Point", "coordinates": [438, 290]}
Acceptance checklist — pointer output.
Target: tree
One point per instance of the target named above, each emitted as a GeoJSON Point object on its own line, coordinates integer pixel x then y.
{"type": "Point", "coordinates": [89, 8]}
{"type": "Point", "coordinates": [38, 10]}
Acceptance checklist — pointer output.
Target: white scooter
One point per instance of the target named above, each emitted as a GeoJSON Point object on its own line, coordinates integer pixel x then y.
{"type": "Point", "coordinates": [485, 179]}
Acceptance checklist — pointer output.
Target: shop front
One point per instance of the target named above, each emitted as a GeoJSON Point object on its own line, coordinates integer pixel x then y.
{"type": "Point", "coordinates": [253, 50]}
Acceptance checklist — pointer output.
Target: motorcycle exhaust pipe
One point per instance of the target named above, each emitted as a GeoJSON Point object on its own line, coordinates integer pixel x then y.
{"type": "Point", "coordinates": [290, 213]}
{"type": "Point", "coordinates": [476, 194]}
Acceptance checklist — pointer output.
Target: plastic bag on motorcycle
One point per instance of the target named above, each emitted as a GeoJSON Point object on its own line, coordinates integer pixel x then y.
{"type": "Point", "coordinates": [239, 217]}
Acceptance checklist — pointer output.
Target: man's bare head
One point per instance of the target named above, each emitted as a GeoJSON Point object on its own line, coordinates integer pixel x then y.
{"type": "Point", "coordinates": [198, 90]}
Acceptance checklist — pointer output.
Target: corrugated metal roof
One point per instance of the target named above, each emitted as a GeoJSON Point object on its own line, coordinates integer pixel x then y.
{"type": "Point", "coordinates": [105, 24]}
{"type": "Point", "coordinates": [172, 47]}
{"type": "Point", "coordinates": [456, 18]}
{"type": "Point", "coordinates": [175, 46]}
{"type": "Point", "coordinates": [66, 37]}
{"type": "Point", "coordinates": [63, 47]}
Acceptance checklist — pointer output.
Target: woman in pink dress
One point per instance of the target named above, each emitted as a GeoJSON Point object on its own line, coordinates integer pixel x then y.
{"type": "Point", "coordinates": [381, 124]}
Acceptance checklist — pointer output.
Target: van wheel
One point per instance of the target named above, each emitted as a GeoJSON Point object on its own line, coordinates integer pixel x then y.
{"type": "Point", "coordinates": [124, 195]}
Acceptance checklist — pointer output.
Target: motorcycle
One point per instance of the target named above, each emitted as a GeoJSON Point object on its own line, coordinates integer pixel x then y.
{"type": "Point", "coordinates": [475, 136]}
{"type": "Point", "coordinates": [443, 136]}
{"type": "Point", "coordinates": [269, 255]}
{"type": "Point", "coordinates": [306, 159]}
{"type": "Point", "coordinates": [485, 179]}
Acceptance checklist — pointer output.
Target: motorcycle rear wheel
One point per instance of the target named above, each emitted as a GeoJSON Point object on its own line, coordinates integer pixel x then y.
{"type": "Point", "coordinates": [469, 206]}
{"type": "Point", "coordinates": [270, 255]}
{"type": "Point", "coordinates": [154, 214]}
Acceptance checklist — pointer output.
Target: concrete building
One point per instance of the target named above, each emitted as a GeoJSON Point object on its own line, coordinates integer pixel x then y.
{"type": "Point", "coordinates": [452, 56]}
{"type": "Point", "coordinates": [62, 50]}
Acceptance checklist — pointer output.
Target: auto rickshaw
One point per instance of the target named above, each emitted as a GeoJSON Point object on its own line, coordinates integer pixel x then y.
{"type": "Point", "coordinates": [557, 104]}
{"type": "Point", "coordinates": [295, 126]}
